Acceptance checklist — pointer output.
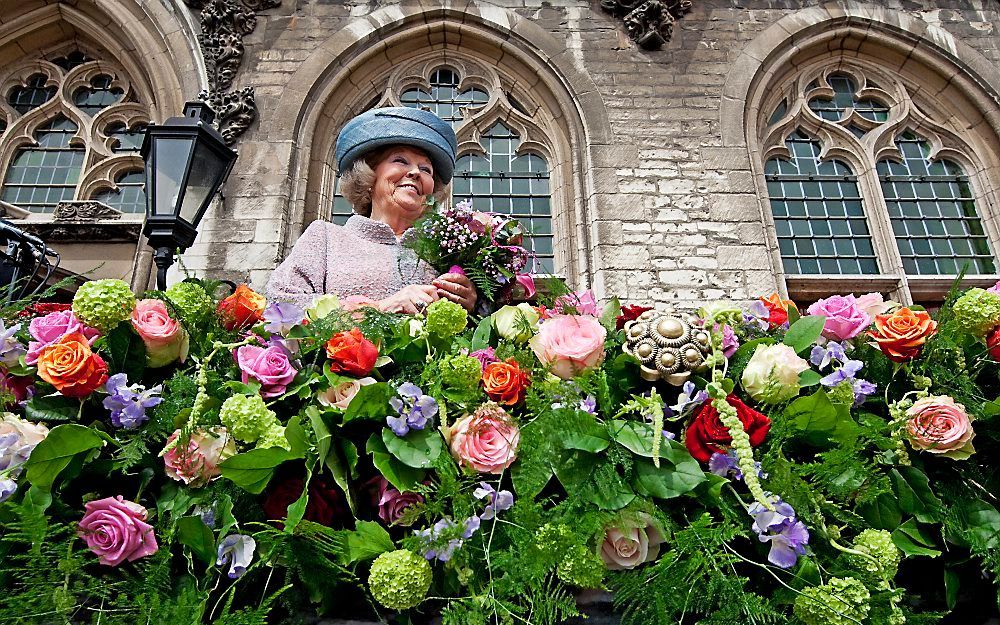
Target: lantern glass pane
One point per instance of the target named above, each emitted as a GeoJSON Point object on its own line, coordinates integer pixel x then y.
{"type": "Point", "coordinates": [207, 169]}
{"type": "Point", "coordinates": [170, 160]}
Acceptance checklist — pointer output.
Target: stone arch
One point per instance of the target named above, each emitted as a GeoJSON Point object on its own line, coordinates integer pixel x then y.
{"type": "Point", "coordinates": [339, 79]}
{"type": "Point", "coordinates": [926, 57]}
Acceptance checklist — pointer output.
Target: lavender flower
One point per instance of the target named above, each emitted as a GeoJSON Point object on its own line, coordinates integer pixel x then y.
{"type": "Point", "coordinates": [788, 536]}
{"type": "Point", "coordinates": [589, 405]}
{"type": "Point", "coordinates": [128, 403]}
{"type": "Point", "coordinates": [237, 551]}
{"type": "Point", "coordinates": [432, 536]}
{"type": "Point", "coordinates": [415, 409]}
{"type": "Point", "coordinates": [7, 488]}
{"type": "Point", "coordinates": [470, 526]}
{"type": "Point", "coordinates": [727, 465]}
{"type": "Point", "coordinates": [846, 370]}
{"type": "Point", "coordinates": [11, 349]}
{"type": "Point", "coordinates": [498, 500]}
{"type": "Point", "coordinates": [282, 316]}
{"type": "Point", "coordinates": [689, 399]}
{"type": "Point", "coordinates": [729, 341]}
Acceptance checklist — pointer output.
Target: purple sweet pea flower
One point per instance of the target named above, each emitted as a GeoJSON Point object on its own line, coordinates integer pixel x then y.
{"type": "Point", "coordinates": [726, 465]}
{"type": "Point", "coordinates": [788, 536]}
{"type": "Point", "coordinates": [7, 488]}
{"type": "Point", "coordinates": [432, 535]}
{"type": "Point", "coordinates": [128, 403]}
{"type": "Point", "coordinates": [730, 343]}
{"type": "Point", "coordinates": [414, 408]}
{"type": "Point", "coordinates": [589, 405]}
{"type": "Point", "coordinates": [863, 389]}
{"type": "Point", "coordinates": [846, 372]}
{"type": "Point", "coordinates": [689, 399]}
{"type": "Point", "coordinates": [667, 434]}
{"type": "Point", "coordinates": [485, 356]}
{"type": "Point", "coordinates": [11, 349]}
{"type": "Point", "coordinates": [282, 316]}
{"type": "Point", "coordinates": [470, 527]}
{"type": "Point", "coordinates": [236, 550]}
{"type": "Point", "coordinates": [498, 500]}
{"type": "Point", "coordinates": [821, 356]}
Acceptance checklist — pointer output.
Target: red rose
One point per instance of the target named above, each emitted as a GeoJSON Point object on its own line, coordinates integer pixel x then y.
{"type": "Point", "coordinates": [242, 309]}
{"type": "Point", "coordinates": [706, 434]}
{"type": "Point", "coordinates": [993, 343]}
{"type": "Point", "coordinates": [326, 504]}
{"type": "Point", "coordinates": [630, 313]}
{"type": "Point", "coordinates": [351, 353]}
{"type": "Point", "coordinates": [40, 309]}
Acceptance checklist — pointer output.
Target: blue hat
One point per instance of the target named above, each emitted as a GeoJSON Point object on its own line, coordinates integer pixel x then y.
{"type": "Point", "coordinates": [402, 125]}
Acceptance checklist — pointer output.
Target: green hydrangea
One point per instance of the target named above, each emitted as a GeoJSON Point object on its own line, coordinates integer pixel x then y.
{"type": "Point", "coordinates": [977, 311]}
{"type": "Point", "coordinates": [103, 304]}
{"type": "Point", "coordinates": [248, 419]}
{"type": "Point", "coordinates": [554, 540]}
{"type": "Point", "coordinates": [842, 601]}
{"type": "Point", "coordinates": [400, 579]}
{"type": "Point", "coordinates": [582, 568]}
{"type": "Point", "coordinates": [446, 318]}
{"type": "Point", "coordinates": [191, 300]}
{"type": "Point", "coordinates": [273, 437]}
{"type": "Point", "coordinates": [842, 394]}
{"type": "Point", "coordinates": [884, 554]}
{"type": "Point", "coordinates": [461, 372]}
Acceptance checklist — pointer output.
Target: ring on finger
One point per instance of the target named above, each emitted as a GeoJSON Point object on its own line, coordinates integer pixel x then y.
{"type": "Point", "coordinates": [420, 305]}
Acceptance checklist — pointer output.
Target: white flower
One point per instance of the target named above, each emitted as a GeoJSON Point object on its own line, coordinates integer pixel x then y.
{"type": "Point", "coordinates": [237, 550]}
{"type": "Point", "coordinates": [772, 375]}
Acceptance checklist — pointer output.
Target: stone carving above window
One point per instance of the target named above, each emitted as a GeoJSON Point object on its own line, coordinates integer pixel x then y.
{"type": "Point", "coordinates": [649, 23]}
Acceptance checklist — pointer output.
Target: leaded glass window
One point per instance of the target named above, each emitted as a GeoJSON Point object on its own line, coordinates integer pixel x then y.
{"type": "Point", "coordinates": [818, 212]}
{"type": "Point", "coordinates": [445, 100]}
{"type": "Point", "coordinates": [41, 176]}
{"type": "Point", "coordinates": [98, 96]}
{"type": "Point", "coordinates": [510, 184]}
{"type": "Point", "coordinates": [31, 95]}
{"type": "Point", "coordinates": [130, 197]}
{"type": "Point", "coordinates": [124, 139]}
{"type": "Point", "coordinates": [933, 212]}
{"type": "Point", "coordinates": [844, 98]}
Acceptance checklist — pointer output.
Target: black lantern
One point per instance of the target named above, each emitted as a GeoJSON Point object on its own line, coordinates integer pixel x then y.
{"type": "Point", "coordinates": [186, 162]}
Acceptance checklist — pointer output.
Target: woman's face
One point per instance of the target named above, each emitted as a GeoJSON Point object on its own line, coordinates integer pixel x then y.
{"type": "Point", "coordinates": [403, 178]}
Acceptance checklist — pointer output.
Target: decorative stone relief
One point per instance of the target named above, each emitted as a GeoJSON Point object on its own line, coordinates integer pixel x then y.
{"type": "Point", "coordinates": [649, 23]}
{"type": "Point", "coordinates": [224, 24]}
{"type": "Point", "coordinates": [89, 210]}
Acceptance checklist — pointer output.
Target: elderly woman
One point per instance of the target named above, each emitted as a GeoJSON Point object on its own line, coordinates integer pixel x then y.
{"type": "Point", "coordinates": [390, 160]}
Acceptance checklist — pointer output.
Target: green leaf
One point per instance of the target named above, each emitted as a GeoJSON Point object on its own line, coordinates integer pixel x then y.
{"type": "Point", "coordinates": [371, 402]}
{"type": "Point", "coordinates": [912, 541]}
{"type": "Point", "coordinates": [297, 509]}
{"type": "Point", "coordinates": [296, 437]}
{"type": "Point", "coordinates": [574, 468]}
{"type": "Point", "coordinates": [368, 541]}
{"type": "Point", "coordinates": [481, 337]}
{"type": "Point", "coordinates": [57, 450]}
{"type": "Point", "coordinates": [418, 449]}
{"type": "Point", "coordinates": [809, 377]}
{"type": "Point", "coordinates": [882, 513]}
{"type": "Point", "coordinates": [322, 431]}
{"type": "Point", "coordinates": [914, 494]}
{"type": "Point", "coordinates": [679, 474]}
{"type": "Point", "coordinates": [119, 342]}
{"type": "Point", "coordinates": [404, 478]}
{"type": "Point", "coordinates": [991, 408]}
{"type": "Point", "coordinates": [197, 536]}
{"type": "Point", "coordinates": [804, 332]}
{"type": "Point", "coordinates": [51, 408]}
{"type": "Point", "coordinates": [981, 521]}
{"type": "Point", "coordinates": [952, 583]}
{"type": "Point", "coordinates": [37, 501]}
{"type": "Point", "coordinates": [239, 388]}
{"type": "Point", "coordinates": [252, 470]}
{"type": "Point", "coordinates": [635, 436]}
{"type": "Point", "coordinates": [820, 420]}
{"type": "Point", "coordinates": [610, 314]}
{"type": "Point", "coordinates": [341, 461]}
{"type": "Point", "coordinates": [590, 436]}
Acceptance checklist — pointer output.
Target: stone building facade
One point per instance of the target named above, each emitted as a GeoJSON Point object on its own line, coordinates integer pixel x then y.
{"type": "Point", "coordinates": [804, 147]}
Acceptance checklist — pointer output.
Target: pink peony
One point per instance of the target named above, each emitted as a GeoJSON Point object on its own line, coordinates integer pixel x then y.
{"type": "Point", "coordinates": [486, 440]}
{"type": "Point", "coordinates": [570, 344]}
{"type": "Point", "coordinates": [166, 340]}
{"type": "Point", "coordinates": [392, 503]}
{"type": "Point", "coordinates": [340, 396]}
{"type": "Point", "coordinates": [939, 425]}
{"type": "Point", "coordinates": [115, 530]}
{"type": "Point", "coordinates": [844, 318]}
{"type": "Point", "coordinates": [199, 463]}
{"type": "Point", "coordinates": [268, 365]}
{"type": "Point", "coordinates": [52, 327]}
{"type": "Point", "coordinates": [628, 547]}
{"type": "Point", "coordinates": [873, 304]}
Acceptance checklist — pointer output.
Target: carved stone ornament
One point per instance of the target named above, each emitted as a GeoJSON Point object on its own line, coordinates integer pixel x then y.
{"type": "Point", "coordinates": [88, 210]}
{"type": "Point", "coordinates": [82, 232]}
{"type": "Point", "coordinates": [649, 23]}
{"type": "Point", "coordinates": [224, 24]}
{"type": "Point", "coordinates": [667, 347]}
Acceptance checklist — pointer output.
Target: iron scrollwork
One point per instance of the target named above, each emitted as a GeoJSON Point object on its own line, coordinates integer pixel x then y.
{"type": "Point", "coordinates": [649, 23]}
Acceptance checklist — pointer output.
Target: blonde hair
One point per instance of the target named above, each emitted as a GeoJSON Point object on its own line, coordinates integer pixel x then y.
{"type": "Point", "coordinates": [356, 183]}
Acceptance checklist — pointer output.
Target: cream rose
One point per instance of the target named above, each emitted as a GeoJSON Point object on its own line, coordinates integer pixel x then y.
{"type": "Point", "coordinates": [772, 375]}
{"type": "Point", "coordinates": [629, 546]}
{"type": "Point", "coordinates": [516, 323]}
{"type": "Point", "coordinates": [340, 396]}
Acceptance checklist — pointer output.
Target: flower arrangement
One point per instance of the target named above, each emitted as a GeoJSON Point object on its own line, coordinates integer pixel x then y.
{"type": "Point", "coordinates": [179, 458]}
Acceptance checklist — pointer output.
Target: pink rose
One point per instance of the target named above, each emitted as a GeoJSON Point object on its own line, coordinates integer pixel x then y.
{"type": "Point", "coordinates": [166, 340]}
{"type": "Point", "coordinates": [268, 365]}
{"type": "Point", "coordinates": [52, 327]}
{"type": "Point", "coordinates": [115, 530]}
{"type": "Point", "coordinates": [873, 304]}
{"type": "Point", "coordinates": [340, 396]}
{"type": "Point", "coordinates": [199, 463]}
{"type": "Point", "coordinates": [628, 547]}
{"type": "Point", "coordinates": [392, 503]}
{"type": "Point", "coordinates": [486, 440]}
{"type": "Point", "coordinates": [995, 289]}
{"type": "Point", "coordinates": [939, 425]}
{"type": "Point", "coordinates": [844, 319]}
{"type": "Point", "coordinates": [570, 344]}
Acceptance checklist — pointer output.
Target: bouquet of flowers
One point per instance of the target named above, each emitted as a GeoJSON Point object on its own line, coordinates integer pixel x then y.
{"type": "Point", "coordinates": [184, 458]}
{"type": "Point", "coordinates": [484, 246]}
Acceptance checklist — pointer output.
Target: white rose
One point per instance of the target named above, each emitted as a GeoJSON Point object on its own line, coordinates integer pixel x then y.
{"type": "Point", "coordinates": [772, 375]}
{"type": "Point", "coordinates": [340, 396]}
{"type": "Point", "coordinates": [516, 323]}
{"type": "Point", "coordinates": [628, 547]}
{"type": "Point", "coordinates": [17, 440]}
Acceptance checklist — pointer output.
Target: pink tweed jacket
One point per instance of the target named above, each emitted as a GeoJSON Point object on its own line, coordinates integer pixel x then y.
{"type": "Point", "coordinates": [362, 257]}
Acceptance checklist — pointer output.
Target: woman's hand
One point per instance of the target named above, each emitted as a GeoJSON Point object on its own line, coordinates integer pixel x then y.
{"type": "Point", "coordinates": [458, 288]}
{"type": "Point", "coordinates": [411, 299]}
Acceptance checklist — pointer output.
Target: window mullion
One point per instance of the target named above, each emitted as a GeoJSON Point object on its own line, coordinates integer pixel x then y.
{"type": "Point", "coordinates": [883, 237]}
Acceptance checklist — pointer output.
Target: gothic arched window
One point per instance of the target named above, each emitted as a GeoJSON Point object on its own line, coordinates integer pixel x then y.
{"type": "Point", "coordinates": [868, 182]}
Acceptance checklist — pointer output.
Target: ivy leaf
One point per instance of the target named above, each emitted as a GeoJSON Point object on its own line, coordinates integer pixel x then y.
{"type": "Point", "coordinates": [418, 449]}
{"type": "Point", "coordinates": [820, 420]}
{"type": "Point", "coordinates": [678, 475]}
{"type": "Point", "coordinates": [252, 470]}
{"type": "Point", "coordinates": [589, 437]}
{"type": "Point", "coordinates": [882, 513]}
{"type": "Point", "coordinates": [371, 402]}
{"type": "Point", "coordinates": [635, 436]}
{"type": "Point", "coordinates": [368, 541]}
{"type": "Point", "coordinates": [57, 450]}
{"type": "Point", "coordinates": [51, 408]}
{"type": "Point", "coordinates": [197, 536]}
{"type": "Point", "coordinates": [804, 332]}
{"type": "Point", "coordinates": [912, 541]}
{"type": "Point", "coordinates": [809, 377]}
{"type": "Point", "coordinates": [914, 494]}
{"type": "Point", "coordinates": [404, 478]}
{"type": "Point", "coordinates": [610, 314]}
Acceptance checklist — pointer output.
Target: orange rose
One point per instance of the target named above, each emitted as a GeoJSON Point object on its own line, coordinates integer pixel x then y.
{"type": "Point", "coordinates": [505, 382]}
{"type": "Point", "coordinates": [777, 309]}
{"type": "Point", "coordinates": [902, 334]}
{"type": "Point", "coordinates": [71, 367]}
{"type": "Point", "coordinates": [242, 309]}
